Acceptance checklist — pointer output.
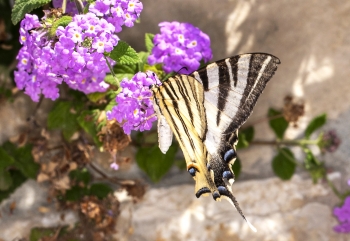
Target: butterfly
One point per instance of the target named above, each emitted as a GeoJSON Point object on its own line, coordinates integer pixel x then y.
{"type": "Point", "coordinates": [204, 110]}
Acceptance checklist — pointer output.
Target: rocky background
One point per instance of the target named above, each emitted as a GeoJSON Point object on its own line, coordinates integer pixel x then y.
{"type": "Point", "coordinates": [312, 40]}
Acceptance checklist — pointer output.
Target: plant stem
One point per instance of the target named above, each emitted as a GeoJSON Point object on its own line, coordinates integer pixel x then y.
{"type": "Point", "coordinates": [286, 142]}
{"type": "Point", "coordinates": [334, 189]}
{"type": "Point", "coordinates": [112, 72]}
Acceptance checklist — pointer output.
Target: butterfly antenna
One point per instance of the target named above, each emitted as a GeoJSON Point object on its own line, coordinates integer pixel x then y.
{"type": "Point", "coordinates": [234, 203]}
{"type": "Point", "coordinates": [177, 72]}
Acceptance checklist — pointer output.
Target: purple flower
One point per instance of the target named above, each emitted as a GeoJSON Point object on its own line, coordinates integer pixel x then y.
{"type": "Point", "coordinates": [180, 47]}
{"type": "Point", "coordinates": [114, 166]}
{"type": "Point", "coordinates": [117, 12]}
{"type": "Point", "coordinates": [330, 142]}
{"type": "Point", "coordinates": [343, 215]}
{"type": "Point", "coordinates": [135, 107]}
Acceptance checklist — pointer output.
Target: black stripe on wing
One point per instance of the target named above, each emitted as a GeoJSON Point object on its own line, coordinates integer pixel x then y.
{"type": "Point", "coordinates": [251, 95]}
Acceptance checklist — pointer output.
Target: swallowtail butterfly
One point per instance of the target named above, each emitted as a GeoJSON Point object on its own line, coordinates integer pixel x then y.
{"type": "Point", "coordinates": [205, 110]}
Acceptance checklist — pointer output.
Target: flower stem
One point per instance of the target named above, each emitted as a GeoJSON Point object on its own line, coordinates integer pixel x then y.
{"type": "Point", "coordinates": [334, 189]}
{"type": "Point", "coordinates": [112, 72]}
{"type": "Point", "coordinates": [286, 142]}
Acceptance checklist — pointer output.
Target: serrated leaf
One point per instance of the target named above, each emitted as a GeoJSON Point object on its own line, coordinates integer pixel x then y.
{"type": "Point", "coordinates": [149, 41]}
{"type": "Point", "coordinates": [100, 190]}
{"type": "Point", "coordinates": [154, 162]}
{"type": "Point", "coordinates": [87, 121]}
{"type": "Point", "coordinates": [5, 180]}
{"type": "Point", "coordinates": [21, 7]}
{"type": "Point", "coordinates": [314, 124]}
{"type": "Point", "coordinates": [124, 71]}
{"type": "Point", "coordinates": [63, 116]}
{"type": "Point", "coordinates": [236, 168]}
{"type": "Point", "coordinates": [123, 53]}
{"type": "Point", "coordinates": [63, 21]}
{"type": "Point", "coordinates": [283, 164]}
{"type": "Point", "coordinates": [245, 137]}
{"type": "Point", "coordinates": [279, 125]}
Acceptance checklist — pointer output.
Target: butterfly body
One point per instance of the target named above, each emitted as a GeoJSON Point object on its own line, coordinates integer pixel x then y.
{"type": "Point", "coordinates": [205, 109]}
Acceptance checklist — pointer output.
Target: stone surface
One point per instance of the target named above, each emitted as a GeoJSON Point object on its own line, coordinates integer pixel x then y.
{"type": "Point", "coordinates": [293, 210]}
{"type": "Point", "coordinates": [31, 210]}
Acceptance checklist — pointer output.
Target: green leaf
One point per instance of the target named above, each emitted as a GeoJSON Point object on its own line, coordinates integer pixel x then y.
{"type": "Point", "coordinates": [245, 137]}
{"type": "Point", "coordinates": [110, 79]}
{"type": "Point", "coordinates": [63, 116]}
{"type": "Point", "coordinates": [123, 53]}
{"type": "Point", "coordinates": [149, 41]}
{"type": "Point", "coordinates": [22, 7]}
{"type": "Point", "coordinates": [124, 71]}
{"type": "Point", "coordinates": [96, 96]}
{"type": "Point", "coordinates": [63, 21]}
{"type": "Point", "coordinates": [5, 180]}
{"type": "Point", "coordinates": [5, 159]}
{"type": "Point", "coordinates": [316, 169]}
{"type": "Point", "coordinates": [283, 164]}
{"type": "Point", "coordinates": [110, 105]}
{"type": "Point", "coordinates": [236, 168]}
{"type": "Point", "coordinates": [279, 125]}
{"type": "Point", "coordinates": [143, 61]}
{"type": "Point", "coordinates": [76, 193]}
{"type": "Point", "coordinates": [154, 162]}
{"type": "Point", "coordinates": [25, 162]}
{"type": "Point", "coordinates": [87, 121]}
{"type": "Point", "coordinates": [17, 180]}
{"type": "Point", "coordinates": [42, 234]}
{"type": "Point", "coordinates": [157, 69]}
{"type": "Point", "coordinates": [82, 175]}
{"type": "Point", "coordinates": [314, 124]}
{"type": "Point", "coordinates": [23, 159]}
{"type": "Point", "coordinates": [100, 190]}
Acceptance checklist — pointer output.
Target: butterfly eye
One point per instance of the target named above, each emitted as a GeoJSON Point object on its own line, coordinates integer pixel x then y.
{"type": "Point", "coordinates": [229, 155]}
{"type": "Point", "coordinates": [192, 171]}
{"type": "Point", "coordinates": [228, 175]}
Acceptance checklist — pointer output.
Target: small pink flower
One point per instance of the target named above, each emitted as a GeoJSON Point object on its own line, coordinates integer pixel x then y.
{"type": "Point", "coordinates": [114, 166]}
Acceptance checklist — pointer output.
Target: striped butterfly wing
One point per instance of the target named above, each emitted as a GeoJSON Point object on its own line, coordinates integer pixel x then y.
{"type": "Point", "coordinates": [205, 110]}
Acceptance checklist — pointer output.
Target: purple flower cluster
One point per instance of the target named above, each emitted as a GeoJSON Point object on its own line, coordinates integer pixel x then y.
{"type": "Point", "coordinates": [180, 46]}
{"type": "Point", "coordinates": [135, 107]}
{"type": "Point", "coordinates": [70, 7]}
{"type": "Point", "coordinates": [76, 58]}
{"type": "Point", "coordinates": [330, 141]}
{"type": "Point", "coordinates": [118, 12]}
{"type": "Point", "coordinates": [343, 215]}
{"type": "Point", "coordinates": [80, 60]}
{"type": "Point", "coordinates": [32, 65]}
{"type": "Point", "coordinates": [76, 54]}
